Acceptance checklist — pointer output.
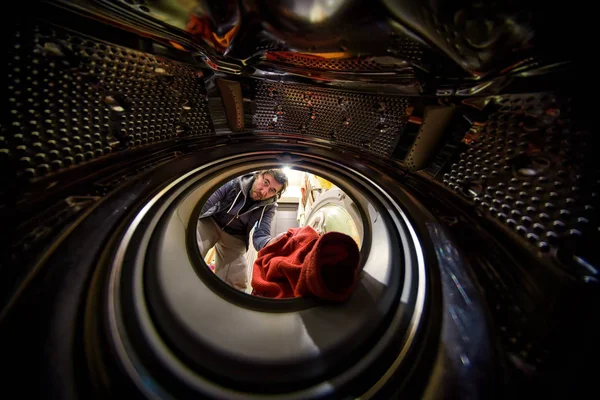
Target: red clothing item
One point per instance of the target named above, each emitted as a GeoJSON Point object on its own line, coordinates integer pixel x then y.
{"type": "Point", "coordinates": [302, 263]}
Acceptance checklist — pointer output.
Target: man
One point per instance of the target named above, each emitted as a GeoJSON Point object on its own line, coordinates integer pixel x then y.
{"type": "Point", "coordinates": [230, 214]}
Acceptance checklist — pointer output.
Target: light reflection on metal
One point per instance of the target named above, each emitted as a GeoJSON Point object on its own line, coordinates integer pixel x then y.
{"type": "Point", "coordinates": [465, 337]}
{"type": "Point", "coordinates": [475, 89]}
{"type": "Point", "coordinates": [444, 92]}
{"type": "Point", "coordinates": [546, 69]}
{"type": "Point", "coordinates": [484, 42]}
{"type": "Point", "coordinates": [309, 11]}
{"type": "Point", "coordinates": [339, 55]}
{"type": "Point", "coordinates": [387, 82]}
{"type": "Point", "coordinates": [586, 265]}
{"type": "Point", "coordinates": [177, 45]}
{"type": "Point", "coordinates": [478, 103]}
{"type": "Point", "coordinates": [338, 62]}
{"type": "Point", "coordinates": [217, 26]}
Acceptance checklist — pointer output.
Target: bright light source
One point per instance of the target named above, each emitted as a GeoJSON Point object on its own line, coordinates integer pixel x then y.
{"type": "Point", "coordinates": [286, 169]}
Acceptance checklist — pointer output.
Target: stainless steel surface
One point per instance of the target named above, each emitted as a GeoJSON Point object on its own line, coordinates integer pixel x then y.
{"type": "Point", "coordinates": [74, 99]}
{"type": "Point", "coordinates": [307, 334]}
{"type": "Point", "coordinates": [525, 168]}
{"type": "Point", "coordinates": [466, 357]}
{"type": "Point", "coordinates": [436, 120]}
{"type": "Point", "coordinates": [371, 122]}
{"type": "Point", "coordinates": [310, 12]}
{"type": "Point", "coordinates": [107, 102]}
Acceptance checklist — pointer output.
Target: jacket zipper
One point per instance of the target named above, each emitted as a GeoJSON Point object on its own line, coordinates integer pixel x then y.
{"type": "Point", "coordinates": [238, 215]}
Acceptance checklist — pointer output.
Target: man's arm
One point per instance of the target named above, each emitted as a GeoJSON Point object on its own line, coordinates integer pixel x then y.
{"type": "Point", "coordinates": [216, 197]}
{"type": "Point", "coordinates": [262, 233]}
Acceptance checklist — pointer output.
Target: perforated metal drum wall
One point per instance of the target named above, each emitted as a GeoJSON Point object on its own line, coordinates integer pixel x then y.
{"type": "Point", "coordinates": [367, 121]}
{"type": "Point", "coordinates": [357, 65]}
{"type": "Point", "coordinates": [530, 167]}
{"type": "Point", "coordinates": [72, 99]}
{"type": "Point", "coordinates": [408, 49]}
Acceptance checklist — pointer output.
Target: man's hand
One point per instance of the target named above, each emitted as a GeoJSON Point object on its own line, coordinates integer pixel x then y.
{"type": "Point", "coordinates": [276, 238]}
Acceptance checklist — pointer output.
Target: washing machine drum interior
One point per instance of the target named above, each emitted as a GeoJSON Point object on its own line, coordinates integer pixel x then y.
{"type": "Point", "coordinates": [188, 329]}
{"type": "Point", "coordinates": [459, 137]}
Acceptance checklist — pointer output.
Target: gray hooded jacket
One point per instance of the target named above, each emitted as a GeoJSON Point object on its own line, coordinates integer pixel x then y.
{"type": "Point", "coordinates": [225, 204]}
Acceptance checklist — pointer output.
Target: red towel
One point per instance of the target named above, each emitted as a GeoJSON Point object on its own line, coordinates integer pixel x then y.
{"type": "Point", "coordinates": [302, 263]}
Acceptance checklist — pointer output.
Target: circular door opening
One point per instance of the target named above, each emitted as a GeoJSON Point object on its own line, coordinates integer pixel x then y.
{"type": "Point", "coordinates": [168, 312]}
{"type": "Point", "coordinates": [300, 237]}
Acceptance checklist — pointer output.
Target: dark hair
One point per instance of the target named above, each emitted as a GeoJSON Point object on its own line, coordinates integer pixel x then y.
{"type": "Point", "coordinates": [279, 176]}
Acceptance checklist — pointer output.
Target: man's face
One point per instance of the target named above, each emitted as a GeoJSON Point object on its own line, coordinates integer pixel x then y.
{"type": "Point", "coordinates": [264, 187]}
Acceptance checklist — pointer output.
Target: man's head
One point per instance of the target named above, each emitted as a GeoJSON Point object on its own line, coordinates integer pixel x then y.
{"type": "Point", "coordinates": [268, 183]}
